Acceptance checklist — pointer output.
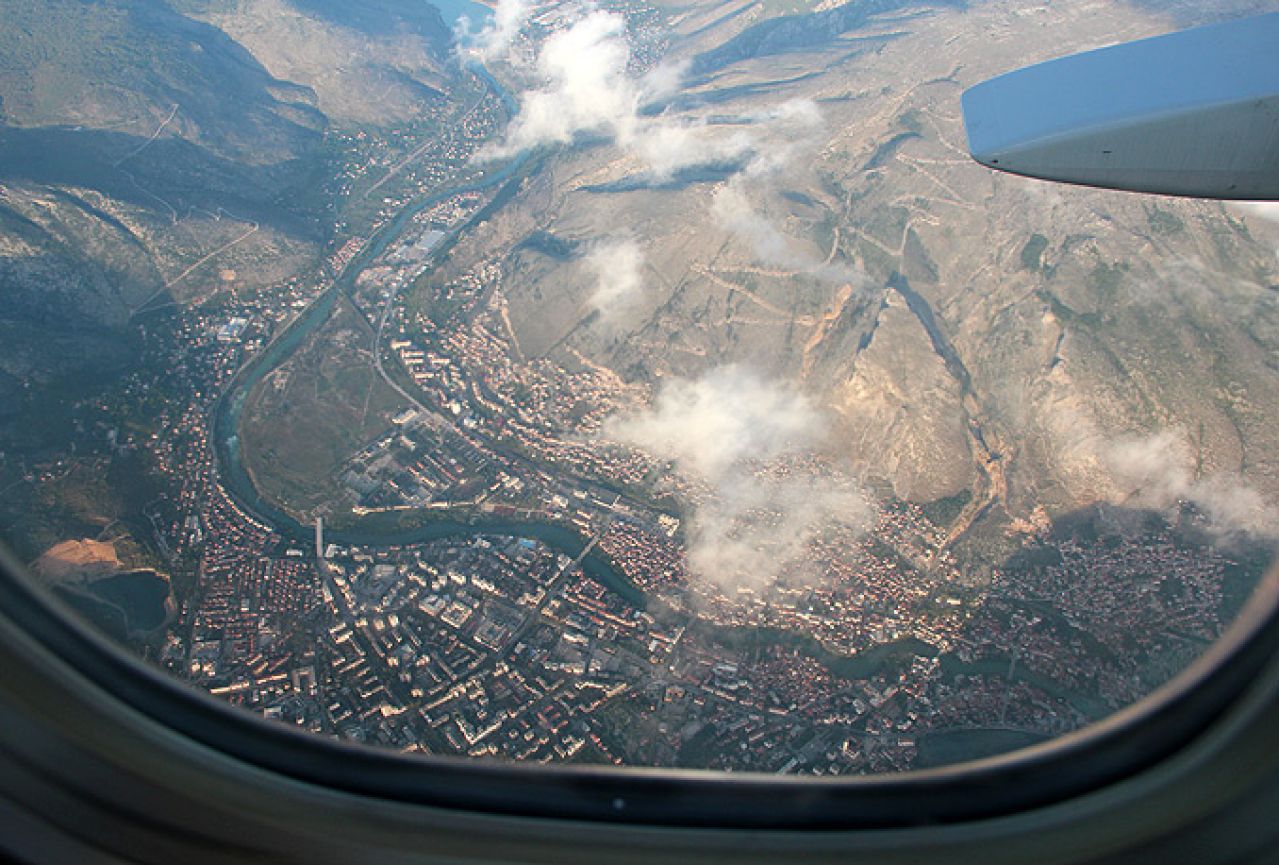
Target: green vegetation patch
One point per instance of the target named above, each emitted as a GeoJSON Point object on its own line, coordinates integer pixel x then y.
{"type": "Point", "coordinates": [945, 511]}
{"type": "Point", "coordinates": [1033, 252]}
{"type": "Point", "coordinates": [1164, 222]}
{"type": "Point", "coordinates": [305, 420]}
{"type": "Point", "coordinates": [1105, 280]}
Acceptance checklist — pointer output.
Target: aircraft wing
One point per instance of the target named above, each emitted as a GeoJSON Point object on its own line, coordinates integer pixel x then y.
{"type": "Point", "coordinates": [1193, 113]}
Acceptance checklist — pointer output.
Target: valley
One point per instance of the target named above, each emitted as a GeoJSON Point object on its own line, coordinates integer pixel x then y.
{"type": "Point", "coordinates": [653, 384]}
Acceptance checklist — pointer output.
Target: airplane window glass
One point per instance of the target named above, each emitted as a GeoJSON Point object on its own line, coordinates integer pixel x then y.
{"type": "Point", "coordinates": [627, 382]}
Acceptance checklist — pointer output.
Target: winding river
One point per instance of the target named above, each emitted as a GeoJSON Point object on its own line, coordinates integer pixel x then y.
{"type": "Point", "coordinates": [378, 531]}
{"type": "Point", "coordinates": [370, 531]}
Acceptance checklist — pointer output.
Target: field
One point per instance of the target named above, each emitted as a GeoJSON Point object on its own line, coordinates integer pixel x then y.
{"type": "Point", "coordinates": [305, 418]}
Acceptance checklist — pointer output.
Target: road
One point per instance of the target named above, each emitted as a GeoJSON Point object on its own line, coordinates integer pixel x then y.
{"type": "Point", "coordinates": [431, 142]}
{"type": "Point", "coordinates": [144, 145]}
{"type": "Point", "coordinates": [381, 370]}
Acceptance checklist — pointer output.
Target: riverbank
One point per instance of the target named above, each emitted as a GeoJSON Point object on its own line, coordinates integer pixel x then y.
{"type": "Point", "coordinates": [382, 530]}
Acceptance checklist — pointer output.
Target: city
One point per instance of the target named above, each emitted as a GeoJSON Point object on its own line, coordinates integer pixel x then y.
{"type": "Point", "coordinates": [475, 568]}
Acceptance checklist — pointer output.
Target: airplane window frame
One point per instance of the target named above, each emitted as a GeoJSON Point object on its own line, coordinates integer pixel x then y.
{"type": "Point", "coordinates": [1116, 748]}
{"type": "Point", "coordinates": [1194, 704]}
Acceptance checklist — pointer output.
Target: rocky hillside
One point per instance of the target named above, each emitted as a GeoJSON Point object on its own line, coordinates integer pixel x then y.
{"type": "Point", "coordinates": [137, 137]}
{"type": "Point", "coordinates": [365, 61]}
{"type": "Point", "coordinates": [963, 330]}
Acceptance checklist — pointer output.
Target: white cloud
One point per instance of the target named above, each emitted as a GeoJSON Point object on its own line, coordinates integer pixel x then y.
{"type": "Point", "coordinates": [667, 147]}
{"type": "Point", "coordinates": [1266, 211]}
{"type": "Point", "coordinates": [712, 424]}
{"type": "Point", "coordinates": [617, 267]}
{"type": "Point", "coordinates": [585, 87]}
{"type": "Point", "coordinates": [739, 433]}
{"type": "Point", "coordinates": [663, 80]}
{"type": "Point", "coordinates": [1157, 472]}
{"type": "Point", "coordinates": [764, 143]}
{"type": "Point", "coordinates": [800, 113]}
{"type": "Point", "coordinates": [494, 40]}
{"type": "Point", "coordinates": [789, 129]}
{"type": "Point", "coordinates": [733, 210]}
{"type": "Point", "coordinates": [755, 530]}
